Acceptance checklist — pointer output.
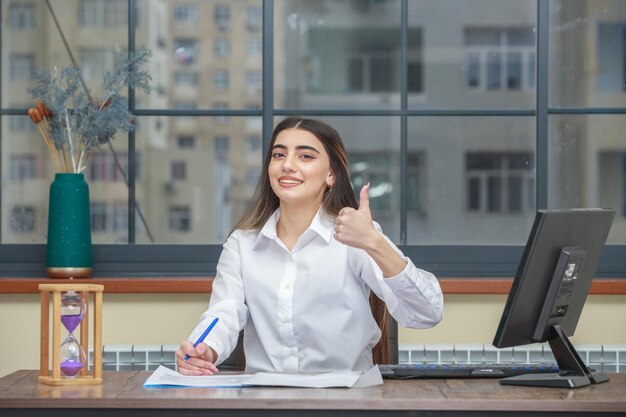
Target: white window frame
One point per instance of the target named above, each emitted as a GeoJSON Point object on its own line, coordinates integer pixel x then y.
{"type": "Point", "coordinates": [505, 172]}
{"type": "Point", "coordinates": [502, 49]}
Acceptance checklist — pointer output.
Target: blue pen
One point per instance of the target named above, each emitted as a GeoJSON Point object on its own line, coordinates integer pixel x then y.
{"type": "Point", "coordinates": [206, 332]}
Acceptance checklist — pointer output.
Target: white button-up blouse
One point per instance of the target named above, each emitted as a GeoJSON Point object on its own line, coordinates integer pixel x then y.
{"type": "Point", "coordinates": [307, 309]}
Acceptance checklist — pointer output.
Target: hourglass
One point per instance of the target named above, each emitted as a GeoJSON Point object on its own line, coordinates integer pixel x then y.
{"type": "Point", "coordinates": [73, 357]}
{"type": "Point", "coordinates": [70, 307]}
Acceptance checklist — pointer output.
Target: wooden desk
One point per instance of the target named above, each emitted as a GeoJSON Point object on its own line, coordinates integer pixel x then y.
{"type": "Point", "coordinates": [123, 394]}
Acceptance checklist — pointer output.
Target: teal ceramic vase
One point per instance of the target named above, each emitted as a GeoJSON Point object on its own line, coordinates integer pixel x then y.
{"type": "Point", "coordinates": [68, 254]}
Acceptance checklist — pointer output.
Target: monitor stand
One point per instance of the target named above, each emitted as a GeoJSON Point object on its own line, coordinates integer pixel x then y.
{"type": "Point", "coordinates": [574, 372]}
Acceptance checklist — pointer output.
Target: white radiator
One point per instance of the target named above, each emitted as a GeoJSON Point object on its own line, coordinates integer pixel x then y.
{"type": "Point", "coordinates": [607, 358]}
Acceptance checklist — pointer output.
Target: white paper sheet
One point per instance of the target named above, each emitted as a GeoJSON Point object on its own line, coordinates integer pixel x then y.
{"type": "Point", "coordinates": [164, 377]}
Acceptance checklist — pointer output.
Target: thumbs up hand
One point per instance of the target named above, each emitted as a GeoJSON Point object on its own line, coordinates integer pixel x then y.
{"type": "Point", "coordinates": [354, 227]}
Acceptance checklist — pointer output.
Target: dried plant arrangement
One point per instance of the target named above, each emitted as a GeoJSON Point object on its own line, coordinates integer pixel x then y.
{"type": "Point", "coordinates": [74, 125]}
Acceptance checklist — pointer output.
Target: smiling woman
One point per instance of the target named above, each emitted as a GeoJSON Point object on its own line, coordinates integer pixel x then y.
{"type": "Point", "coordinates": [307, 272]}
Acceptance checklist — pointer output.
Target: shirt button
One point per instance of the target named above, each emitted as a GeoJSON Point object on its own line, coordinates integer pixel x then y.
{"type": "Point", "coordinates": [293, 351]}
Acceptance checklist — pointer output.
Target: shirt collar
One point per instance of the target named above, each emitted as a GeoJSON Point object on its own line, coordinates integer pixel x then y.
{"type": "Point", "coordinates": [322, 224]}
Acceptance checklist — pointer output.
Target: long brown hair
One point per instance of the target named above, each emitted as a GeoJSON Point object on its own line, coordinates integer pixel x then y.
{"type": "Point", "coordinates": [265, 202]}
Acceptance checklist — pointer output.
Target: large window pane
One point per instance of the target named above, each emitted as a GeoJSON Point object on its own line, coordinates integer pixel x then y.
{"type": "Point", "coordinates": [475, 178]}
{"type": "Point", "coordinates": [205, 52]}
{"type": "Point", "coordinates": [197, 178]}
{"type": "Point", "coordinates": [587, 166]}
{"type": "Point", "coordinates": [476, 54]}
{"type": "Point", "coordinates": [587, 53]}
{"type": "Point", "coordinates": [338, 54]}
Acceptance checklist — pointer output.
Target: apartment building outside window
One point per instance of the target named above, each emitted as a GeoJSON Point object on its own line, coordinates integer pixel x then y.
{"type": "Point", "coordinates": [21, 16]}
{"type": "Point", "coordinates": [500, 59]}
{"type": "Point", "coordinates": [391, 83]}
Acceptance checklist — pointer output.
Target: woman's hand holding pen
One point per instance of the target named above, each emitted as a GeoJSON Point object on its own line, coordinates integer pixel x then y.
{"type": "Point", "coordinates": [354, 227]}
{"type": "Point", "coordinates": [201, 359]}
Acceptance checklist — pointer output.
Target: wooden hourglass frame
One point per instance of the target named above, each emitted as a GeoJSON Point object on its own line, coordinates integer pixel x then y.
{"type": "Point", "coordinates": [56, 290]}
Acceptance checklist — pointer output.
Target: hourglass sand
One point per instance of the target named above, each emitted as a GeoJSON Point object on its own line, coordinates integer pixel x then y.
{"type": "Point", "coordinates": [70, 307]}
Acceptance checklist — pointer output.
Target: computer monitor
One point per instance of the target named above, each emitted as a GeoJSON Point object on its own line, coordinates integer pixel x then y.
{"type": "Point", "coordinates": [549, 291]}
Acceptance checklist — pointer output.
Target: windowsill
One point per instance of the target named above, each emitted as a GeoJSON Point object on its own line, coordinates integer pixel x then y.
{"type": "Point", "coordinates": [170, 285]}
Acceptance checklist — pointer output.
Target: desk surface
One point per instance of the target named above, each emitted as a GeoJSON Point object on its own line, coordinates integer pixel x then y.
{"type": "Point", "coordinates": [20, 392]}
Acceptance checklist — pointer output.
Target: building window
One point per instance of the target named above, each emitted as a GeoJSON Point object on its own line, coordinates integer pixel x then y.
{"type": "Point", "coordinates": [220, 80]}
{"type": "Point", "coordinates": [21, 16]}
{"type": "Point", "coordinates": [500, 59]}
{"type": "Point", "coordinates": [103, 13]}
{"type": "Point", "coordinates": [612, 57]}
{"type": "Point", "coordinates": [186, 13]}
{"type": "Point", "coordinates": [102, 167]}
{"type": "Point", "coordinates": [500, 182]}
{"type": "Point", "coordinates": [416, 187]}
{"type": "Point", "coordinates": [178, 171]}
{"type": "Point", "coordinates": [253, 18]}
{"type": "Point", "coordinates": [98, 211]}
{"type": "Point", "coordinates": [23, 167]}
{"type": "Point", "coordinates": [23, 219]}
{"type": "Point", "coordinates": [222, 16]}
{"type": "Point", "coordinates": [185, 51]}
{"type": "Point", "coordinates": [186, 78]}
{"type": "Point", "coordinates": [221, 47]}
{"type": "Point", "coordinates": [186, 142]}
{"type": "Point", "coordinates": [179, 219]}
{"type": "Point", "coordinates": [370, 71]}
{"type": "Point", "coordinates": [22, 67]}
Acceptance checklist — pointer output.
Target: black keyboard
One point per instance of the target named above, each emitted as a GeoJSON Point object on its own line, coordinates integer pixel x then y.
{"type": "Point", "coordinates": [472, 370]}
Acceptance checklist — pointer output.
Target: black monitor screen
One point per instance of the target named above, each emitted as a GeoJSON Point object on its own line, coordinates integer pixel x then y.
{"type": "Point", "coordinates": [551, 285]}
